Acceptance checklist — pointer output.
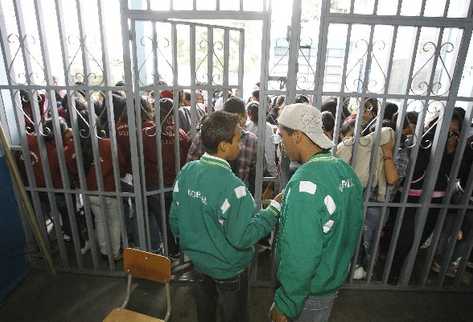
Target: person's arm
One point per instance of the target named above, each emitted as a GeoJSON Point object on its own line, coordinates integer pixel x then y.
{"type": "Point", "coordinates": [175, 207]}
{"type": "Point", "coordinates": [242, 224]}
{"type": "Point", "coordinates": [300, 244]}
{"type": "Point", "coordinates": [390, 170]}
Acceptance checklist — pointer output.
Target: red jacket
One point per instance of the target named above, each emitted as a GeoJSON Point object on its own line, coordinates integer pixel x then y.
{"type": "Point", "coordinates": [105, 153]}
{"type": "Point", "coordinates": [53, 161]}
{"type": "Point", "coordinates": [169, 161]}
{"type": "Point", "coordinates": [123, 147]}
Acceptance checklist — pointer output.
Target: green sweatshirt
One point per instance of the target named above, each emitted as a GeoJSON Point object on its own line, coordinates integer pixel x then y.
{"type": "Point", "coordinates": [320, 223]}
{"type": "Point", "coordinates": [215, 218]}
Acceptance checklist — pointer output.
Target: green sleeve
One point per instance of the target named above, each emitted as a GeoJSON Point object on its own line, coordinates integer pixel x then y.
{"type": "Point", "coordinates": [242, 224]}
{"type": "Point", "coordinates": [300, 244]}
{"type": "Point", "coordinates": [173, 215]}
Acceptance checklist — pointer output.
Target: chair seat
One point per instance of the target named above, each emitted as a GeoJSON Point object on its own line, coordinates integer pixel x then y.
{"type": "Point", "coordinates": [124, 315]}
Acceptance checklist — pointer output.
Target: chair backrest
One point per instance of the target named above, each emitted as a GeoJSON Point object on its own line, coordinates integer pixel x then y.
{"type": "Point", "coordinates": [141, 264]}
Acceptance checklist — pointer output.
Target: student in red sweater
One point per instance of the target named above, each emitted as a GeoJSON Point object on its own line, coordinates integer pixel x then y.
{"type": "Point", "coordinates": [53, 168]}
{"type": "Point", "coordinates": [105, 209]}
{"type": "Point", "coordinates": [150, 150]}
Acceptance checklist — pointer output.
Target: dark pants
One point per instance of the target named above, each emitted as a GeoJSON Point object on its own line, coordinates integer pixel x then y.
{"type": "Point", "coordinates": [230, 296]}
{"type": "Point", "coordinates": [407, 234]}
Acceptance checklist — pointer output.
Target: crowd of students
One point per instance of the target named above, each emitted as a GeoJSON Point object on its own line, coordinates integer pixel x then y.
{"type": "Point", "coordinates": [386, 173]}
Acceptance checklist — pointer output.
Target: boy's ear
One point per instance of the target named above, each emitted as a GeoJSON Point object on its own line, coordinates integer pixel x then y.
{"type": "Point", "coordinates": [222, 146]}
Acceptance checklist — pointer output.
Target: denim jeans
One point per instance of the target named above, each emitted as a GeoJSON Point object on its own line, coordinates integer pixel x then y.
{"type": "Point", "coordinates": [230, 296]}
{"type": "Point", "coordinates": [371, 226]}
{"type": "Point", "coordinates": [316, 309]}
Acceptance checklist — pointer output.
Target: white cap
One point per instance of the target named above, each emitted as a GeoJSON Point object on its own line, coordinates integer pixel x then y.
{"type": "Point", "coordinates": [308, 120]}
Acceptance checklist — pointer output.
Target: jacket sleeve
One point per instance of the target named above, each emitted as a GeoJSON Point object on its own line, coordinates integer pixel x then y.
{"type": "Point", "coordinates": [242, 224]}
{"type": "Point", "coordinates": [175, 207]}
{"type": "Point", "coordinates": [300, 244]}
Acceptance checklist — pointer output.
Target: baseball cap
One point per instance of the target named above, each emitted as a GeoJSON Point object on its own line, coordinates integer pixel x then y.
{"type": "Point", "coordinates": [307, 119]}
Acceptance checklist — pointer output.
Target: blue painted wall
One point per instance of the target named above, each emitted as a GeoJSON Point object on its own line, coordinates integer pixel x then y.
{"type": "Point", "coordinates": [12, 239]}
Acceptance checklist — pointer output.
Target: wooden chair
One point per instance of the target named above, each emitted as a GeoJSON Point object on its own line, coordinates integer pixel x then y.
{"type": "Point", "coordinates": [149, 266]}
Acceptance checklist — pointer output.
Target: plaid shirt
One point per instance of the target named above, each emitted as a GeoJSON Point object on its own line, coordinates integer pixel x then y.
{"type": "Point", "coordinates": [243, 165]}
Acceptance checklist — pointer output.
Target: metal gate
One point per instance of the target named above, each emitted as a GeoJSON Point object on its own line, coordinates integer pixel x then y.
{"type": "Point", "coordinates": [412, 53]}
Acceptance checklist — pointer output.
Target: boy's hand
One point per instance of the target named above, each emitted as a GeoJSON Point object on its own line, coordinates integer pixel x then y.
{"type": "Point", "coordinates": [277, 316]}
{"type": "Point", "coordinates": [278, 198]}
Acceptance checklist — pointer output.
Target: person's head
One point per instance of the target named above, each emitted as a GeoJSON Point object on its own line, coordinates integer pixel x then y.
{"type": "Point", "coordinates": [409, 124]}
{"type": "Point", "coordinates": [236, 106]}
{"type": "Point", "coordinates": [280, 101]}
{"type": "Point", "coordinates": [302, 99]}
{"type": "Point", "coordinates": [252, 109]}
{"type": "Point", "coordinates": [220, 134]}
{"type": "Point", "coordinates": [328, 123]}
{"type": "Point", "coordinates": [329, 106]}
{"type": "Point", "coordinates": [389, 111]}
{"type": "Point", "coordinates": [147, 110]}
{"type": "Point", "coordinates": [255, 95]}
{"type": "Point", "coordinates": [165, 111]}
{"type": "Point", "coordinates": [199, 98]}
{"type": "Point", "coordinates": [456, 123]}
{"type": "Point", "coordinates": [370, 109]}
{"type": "Point", "coordinates": [119, 108]}
{"type": "Point", "coordinates": [185, 98]}
{"type": "Point", "coordinates": [348, 127]}
{"type": "Point", "coordinates": [48, 129]}
{"type": "Point", "coordinates": [300, 127]}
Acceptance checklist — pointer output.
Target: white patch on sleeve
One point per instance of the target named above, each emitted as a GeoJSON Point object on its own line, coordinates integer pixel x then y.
{"type": "Point", "coordinates": [330, 204]}
{"type": "Point", "coordinates": [240, 192]}
{"type": "Point", "coordinates": [176, 186]}
{"type": "Point", "coordinates": [328, 225]}
{"type": "Point", "coordinates": [221, 221]}
{"type": "Point", "coordinates": [225, 206]}
{"type": "Point", "coordinates": [307, 186]}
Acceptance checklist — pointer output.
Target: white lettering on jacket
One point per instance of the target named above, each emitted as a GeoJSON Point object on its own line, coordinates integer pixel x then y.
{"type": "Point", "coordinates": [197, 195]}
{"type": "Point", "coordinates": [307, 186]}
{"type": "Point", "coordinates": [344, 184]}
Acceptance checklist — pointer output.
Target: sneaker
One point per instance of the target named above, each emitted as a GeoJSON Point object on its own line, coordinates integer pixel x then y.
{"type": "Point", "coordinates": [427, 242]}
{"type": "Point", "coordinates": [436, 267]}
{"type": "Point", "coordinates": [451, 271]}
{"type": "Point", "coordinates": [86, 248]}
{"type": "Point", "coordinates": [359, 273]}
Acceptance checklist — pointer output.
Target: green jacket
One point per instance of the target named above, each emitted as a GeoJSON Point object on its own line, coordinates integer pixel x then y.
{"type": "Point", "coordinates": [320, 223]}
{"type": "Point", "coordinates": [215, 218]}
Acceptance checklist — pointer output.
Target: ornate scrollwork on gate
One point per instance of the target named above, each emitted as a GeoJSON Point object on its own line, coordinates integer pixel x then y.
{"type": "Point", "coordinates": [16, 43]}
{"type": "Point", "coordinates": [437, 88]}
{"type": "Point", "coordinates": [358, 82]}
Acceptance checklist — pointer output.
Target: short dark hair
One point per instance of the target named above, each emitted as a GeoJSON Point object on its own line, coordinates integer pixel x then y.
{"type": "Point", "coordinates": [217, 127]}
{"type": "Point", "coordinates": [255, 94]}
{"type": "Point", "coordinates": [329, 106]}
{"type": "Point", "coordinates": [234, 105]}
{"type": "Point", "coordinates": [328, 121]}
{"type": "Point", "coordinates": [302, 99]}
{"type": "Point", "coordinates": [389, 110]}
{"type": "Point", "coordinates": [252, 109]}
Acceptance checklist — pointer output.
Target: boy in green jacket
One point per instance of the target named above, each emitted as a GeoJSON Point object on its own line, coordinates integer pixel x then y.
{"type": "Point", "coordinates": [320, 221]}
{"type": "Point", "coordinates": [215, 218]}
